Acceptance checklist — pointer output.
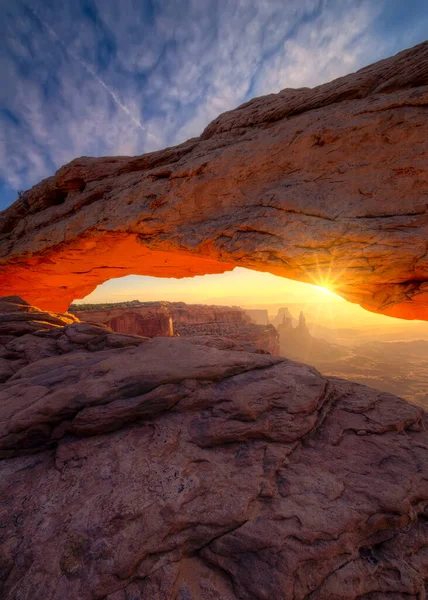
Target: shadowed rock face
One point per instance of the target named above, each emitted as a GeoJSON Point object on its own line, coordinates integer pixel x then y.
{"type": "Point", "coordinates": [322, 185]}
{"type": "Point", "coordinates": [201, 471]}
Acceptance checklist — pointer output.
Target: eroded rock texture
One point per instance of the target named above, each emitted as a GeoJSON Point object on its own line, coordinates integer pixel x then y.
{"type": "Point", "coordinates": [28, 334]}
{"type": "Point", "coordinates": [326, 185]}
{"type": "Point", "coordinates": [172, 469]}
{"type": "Point", "coordinates": [150, 319]}
{"type": "Point", "coordinates": [167, 318]}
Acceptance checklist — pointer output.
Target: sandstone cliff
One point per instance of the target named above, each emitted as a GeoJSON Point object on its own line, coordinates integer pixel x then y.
{"type": "Point", "coordinates": [201, 471]}
{"type": "Point", "coordinates": [325, 185]}
{"type": "Point", "coordinates": [167, 318]}
{"type": "Point", "coordinates": [147, 319]}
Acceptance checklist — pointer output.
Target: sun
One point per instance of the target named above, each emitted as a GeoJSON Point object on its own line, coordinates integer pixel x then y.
{"type": "Point", "coordinates": [325, 280]}
{"type": "Point", "coordinates": [325, 290]}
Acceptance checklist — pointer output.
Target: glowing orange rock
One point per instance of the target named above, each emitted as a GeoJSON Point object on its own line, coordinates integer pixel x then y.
{"type": "Point", "coordinates": [324, 185]}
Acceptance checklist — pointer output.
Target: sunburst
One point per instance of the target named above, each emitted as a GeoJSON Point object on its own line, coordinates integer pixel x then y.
{"type": "Point", "coordinates": [324, 280]}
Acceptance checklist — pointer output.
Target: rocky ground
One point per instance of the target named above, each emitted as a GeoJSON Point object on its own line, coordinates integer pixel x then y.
{"type": "Point", "coordinates": [194, 469]}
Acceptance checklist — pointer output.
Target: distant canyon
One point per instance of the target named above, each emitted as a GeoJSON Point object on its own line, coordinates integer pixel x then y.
{"type": "Point", "coordinates": [399, 367]}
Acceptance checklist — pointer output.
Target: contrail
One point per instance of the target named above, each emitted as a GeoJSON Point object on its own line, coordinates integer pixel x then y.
{"type": "Point", "coordinates": [91, 72]}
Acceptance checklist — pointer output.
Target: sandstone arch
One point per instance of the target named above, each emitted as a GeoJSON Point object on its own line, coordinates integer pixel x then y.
{"type": "Point", "coordinates": [311, 184]}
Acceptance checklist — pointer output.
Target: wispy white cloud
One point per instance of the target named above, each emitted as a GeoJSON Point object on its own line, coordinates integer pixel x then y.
{"type": "Point", "coordinates": [325, 48]}
{"type": "Point", "coordinates": [99, 77]}
{"type": "Point", "coordinates": [91, 71]}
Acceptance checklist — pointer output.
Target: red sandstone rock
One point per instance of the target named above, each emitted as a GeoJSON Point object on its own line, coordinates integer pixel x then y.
{"type": "Point", "coordinates": [190, 468]}
{"type": "Point", "coordinates": [28, 334]}
{"type": "Point", "coordinates": [325, 185]}
{"type": "Point", "coordinates": [151, 319]}
{"type": "Point", "coordinates": [166, 318]}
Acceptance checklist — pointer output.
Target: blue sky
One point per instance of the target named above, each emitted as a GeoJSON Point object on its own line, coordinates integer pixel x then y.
{"type": "Point", "coordinates": [102, 77]}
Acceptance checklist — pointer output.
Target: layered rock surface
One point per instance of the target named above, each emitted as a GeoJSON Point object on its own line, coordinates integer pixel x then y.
{"type": "Point", "coordinates": [326, 185]}
{"type": "Point", "coordinates": [28, 334]}
{"type": "Point", "coordinates": [167, 318]}
{"type": "Point", "coordinates": [192, 469]}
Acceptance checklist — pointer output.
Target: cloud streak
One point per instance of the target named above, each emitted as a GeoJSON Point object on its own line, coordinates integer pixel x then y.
{"type": "Point", "coordinates": [91, 72]}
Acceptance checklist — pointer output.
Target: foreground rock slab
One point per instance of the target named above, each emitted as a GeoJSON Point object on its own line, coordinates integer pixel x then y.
{"type": "Point", "coordinates": [326, 185]}
{"type": "Point", "coordinates": [190, 468]}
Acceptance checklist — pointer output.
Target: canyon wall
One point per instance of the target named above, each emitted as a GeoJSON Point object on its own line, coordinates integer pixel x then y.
{"type": "Point", "coordinates": [153, 319]}
{"type": "Point", "coordinates": [147, 319]}
{"type": "Point", "coordinates": [326, 185]}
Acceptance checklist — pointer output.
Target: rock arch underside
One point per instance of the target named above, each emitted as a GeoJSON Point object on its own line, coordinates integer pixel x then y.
{"type": "Point", "coordinates": [323, 185]}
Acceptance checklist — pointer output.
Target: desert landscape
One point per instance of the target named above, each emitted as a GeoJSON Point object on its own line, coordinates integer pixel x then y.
{"type": "Point", "coordinates": [275, 447]}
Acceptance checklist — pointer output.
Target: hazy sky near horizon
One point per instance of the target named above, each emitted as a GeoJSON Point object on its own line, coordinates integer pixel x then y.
{"type": "Point", "coordinates": [101, 77]}
{"type": "Point", "coordinates": [240, 286]}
